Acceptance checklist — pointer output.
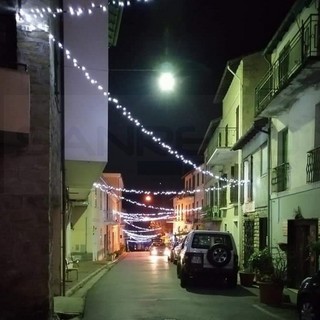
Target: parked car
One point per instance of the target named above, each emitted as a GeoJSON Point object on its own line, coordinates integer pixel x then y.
{"type": "Point", "coordinates": [210, 254]}
{"type": "Point", "coordinates": [159, 249]}
{"type": "Point", "coordinates": [175, 251]}
{"type": "Point", "coordinates": [308, 299]}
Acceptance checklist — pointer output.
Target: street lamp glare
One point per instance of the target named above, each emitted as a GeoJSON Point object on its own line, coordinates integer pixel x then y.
{"type": "Point", "coordinates": [166, 81]}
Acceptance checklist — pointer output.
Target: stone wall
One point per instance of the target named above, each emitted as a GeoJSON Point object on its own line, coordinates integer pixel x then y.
{"type": "Point", "coordinates": [30, 196]}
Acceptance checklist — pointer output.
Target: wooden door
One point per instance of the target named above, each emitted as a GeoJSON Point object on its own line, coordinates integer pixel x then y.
{"type": "Point", "coordinates": [301, 264]}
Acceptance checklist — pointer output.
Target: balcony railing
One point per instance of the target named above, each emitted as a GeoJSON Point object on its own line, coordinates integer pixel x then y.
{"type": "Point", "coordinates": [222, 138]}
{"type": "Point", "coordinates": [279, 179]}
{"type": "Point", "coordinates": [303, 46]}
{"type": "Point", "coordinates": [313, 165]}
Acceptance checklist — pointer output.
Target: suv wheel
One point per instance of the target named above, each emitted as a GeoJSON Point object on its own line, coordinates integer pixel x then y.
{"type": "Point", "coordinates": [184, 279]}
{"type": "Point", "coordinates": [307, 311]}
{"type": "Point", "coordinates": [219, 255]}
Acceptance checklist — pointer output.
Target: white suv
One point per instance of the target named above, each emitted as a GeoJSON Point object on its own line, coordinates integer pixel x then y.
{"type": "Point", "coordinates": [208, 253]}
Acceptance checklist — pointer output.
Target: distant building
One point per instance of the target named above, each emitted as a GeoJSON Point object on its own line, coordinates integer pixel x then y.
{"type": "Point", "coordinates": [188, 206]}
{"type": "Point", "coordinates": [96, 231]}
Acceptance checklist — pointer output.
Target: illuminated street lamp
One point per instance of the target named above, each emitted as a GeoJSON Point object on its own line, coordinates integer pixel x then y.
{"type": "Point", "coordinates": [148, 198]}
{"type": "Point", "coordinates": [166, 82]}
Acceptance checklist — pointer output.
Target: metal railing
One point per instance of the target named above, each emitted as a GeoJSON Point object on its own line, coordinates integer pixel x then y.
{"type": "Point", "coordinates": [222, 138]}
{"type": "Point", "coordinates": [313, 165]}
{"type": "Point", "coordinates": [302, 46]}
{"type": "Point", "coordinates": [279, 179]}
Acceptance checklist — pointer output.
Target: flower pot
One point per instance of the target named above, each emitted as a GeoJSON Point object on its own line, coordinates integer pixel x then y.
{"type": "Point", "coordinates": [271, 293]}
{"type": "Point", "coordinates": [246, 278]}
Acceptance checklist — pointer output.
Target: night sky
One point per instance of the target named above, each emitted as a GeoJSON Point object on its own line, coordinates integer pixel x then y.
{"type": "Point", "coordinates": [196, 37]}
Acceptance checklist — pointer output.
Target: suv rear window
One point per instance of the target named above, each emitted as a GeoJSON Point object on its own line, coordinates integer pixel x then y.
{"type": "Point", "coordinates": [207, 240]}
{"type": "Point", "coordinates": [158, 244]}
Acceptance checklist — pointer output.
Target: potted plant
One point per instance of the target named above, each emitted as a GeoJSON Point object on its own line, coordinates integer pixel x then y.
{"type": "Point", "coordinates": [273, 277]}
{"type": "Point", "coordinates": [247, 275]}
{"type": "Point", "coordinates": [261, 262]}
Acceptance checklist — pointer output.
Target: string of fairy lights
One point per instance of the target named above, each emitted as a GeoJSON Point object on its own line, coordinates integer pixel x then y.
{"type": "Point", "coordinates": [128, 115]}
{"type": "Point", "coordinates": [166, 193]}
{"type": "Point", "coordinates": [33, 19]}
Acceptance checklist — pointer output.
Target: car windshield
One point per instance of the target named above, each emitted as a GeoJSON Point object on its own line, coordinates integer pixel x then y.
{"type": "Point", "coordinates": [207, 240]}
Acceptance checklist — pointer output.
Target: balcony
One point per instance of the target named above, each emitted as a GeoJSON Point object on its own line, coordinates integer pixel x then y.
{"type": "Point", "coordinates": [313, 165]}
{"type": "Point", "coordinates": [110, 219]}
{"type": "Point", "coordinates": [218, 150]}
{"type": "Point", "coordinates": [14, 105]}
{"type": "Point", "coordinates": [279, 179]}
{"type": "Point", "coordinates": [297, 68]}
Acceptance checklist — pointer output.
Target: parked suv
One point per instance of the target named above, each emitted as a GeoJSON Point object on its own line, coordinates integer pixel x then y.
{"type": "Point", "coordinates": [208, 253]}
{"type": "Point", "coordinates": [308, 298]}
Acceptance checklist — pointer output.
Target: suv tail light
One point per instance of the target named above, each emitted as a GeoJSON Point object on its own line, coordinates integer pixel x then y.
{"type": "Point", "coordinates": [235, 260]}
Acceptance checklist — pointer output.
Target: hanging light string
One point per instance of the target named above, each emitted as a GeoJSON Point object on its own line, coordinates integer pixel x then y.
{"type": "Point", "coordinates": [143, 230]}
{"type": "Point", "coordinates": [104, 188]}
{"type": "Point", "coordinates": [140, 238]}
{"type": "Point", "coordinates": [144, 218]}
{"type": "Point", "coordinates": [136, 121]}
{"type": "Point", "coordinates": [35, 17]}
{"type": "Point", "coordinates": [168, 193]}
{"type": "Point", "coordinates": [127, 114]}
{"type": "Point", "coordinates": [77, 11]}
{"type": "Point", "coordinates": [131, 214]}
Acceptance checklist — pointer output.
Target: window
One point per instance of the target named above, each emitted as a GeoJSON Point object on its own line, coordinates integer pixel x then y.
{"type": "Point", "coordinates": [247, 176]}
{"type": "Point", "coordinates": [237, 123]}
{"type": "Point", "coordinates": [317, 127]}
{"type": "Point", "coordinates": [206, 241]}
{"type": "Point", "coordinates": [264, 160]}
{"type": "Point", "coordinates": [8, 40]}
{"type": "Point", "coordinates": [283, 147]}
{"type": "Point", "coordinates": [227, 136]}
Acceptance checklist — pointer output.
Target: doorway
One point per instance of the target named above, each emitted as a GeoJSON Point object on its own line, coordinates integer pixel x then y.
{"type": "Point", "coordinates": [301, 264]}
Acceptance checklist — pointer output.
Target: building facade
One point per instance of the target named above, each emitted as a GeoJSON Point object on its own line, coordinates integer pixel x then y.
{"type": "Point", "coordinates": [32, 167]}
{"type": "Point", "coordinates": [236, 95]}
{"type": "Point", "coordinates": [289, 96]}
{"type": "Point", "coordinates": [95, 228]}
{"type": "Point", "coordinates": [53, 125]}
{"type": "Point", "coordinates": [188, 205]}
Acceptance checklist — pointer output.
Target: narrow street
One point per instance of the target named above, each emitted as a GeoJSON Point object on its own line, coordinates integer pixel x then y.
{"type": "Point", "coordinates": [141, 287]}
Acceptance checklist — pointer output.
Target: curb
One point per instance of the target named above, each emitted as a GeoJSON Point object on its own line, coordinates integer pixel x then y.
{"type": "Point", "coordinates": [80, 284]}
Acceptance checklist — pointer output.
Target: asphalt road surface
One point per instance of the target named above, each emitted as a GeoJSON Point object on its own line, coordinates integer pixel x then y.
{"type": "Point", "coordinates": [141, 287]}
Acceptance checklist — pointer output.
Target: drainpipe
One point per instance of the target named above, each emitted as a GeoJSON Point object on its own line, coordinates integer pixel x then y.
{"type": "Point", "coordinates": [269, 185]}
{"type": "Point", "coordinates": [240, 220]}
{"type": "Point", "coordinates": [269, 215]}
